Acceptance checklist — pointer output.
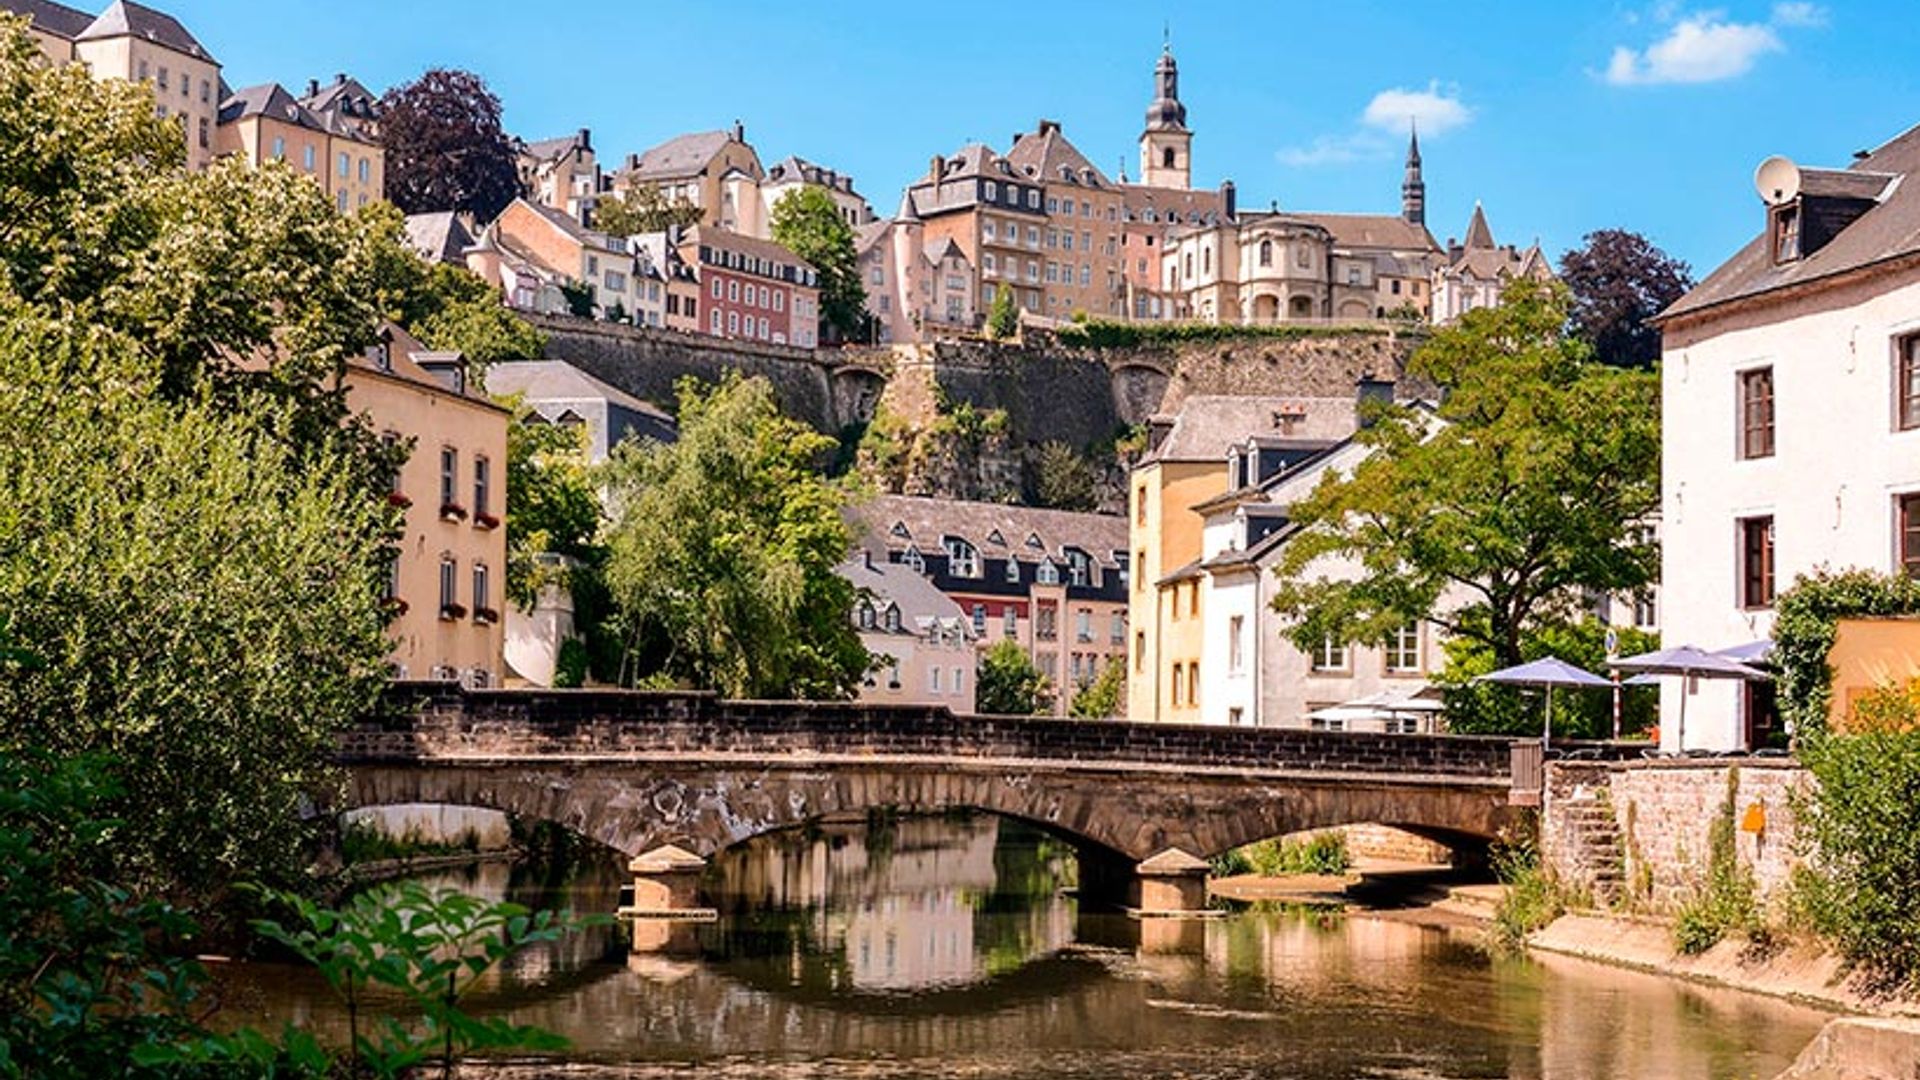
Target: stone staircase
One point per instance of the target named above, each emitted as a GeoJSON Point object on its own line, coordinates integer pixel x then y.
{"type": "Point", "coordinates": [1593, 839]}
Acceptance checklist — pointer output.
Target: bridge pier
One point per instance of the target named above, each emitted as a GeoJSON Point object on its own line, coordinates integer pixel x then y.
{"type": "Point", "coordinates": [666, 901]}
{"type": "Point", "coordinates": [1173, 884]}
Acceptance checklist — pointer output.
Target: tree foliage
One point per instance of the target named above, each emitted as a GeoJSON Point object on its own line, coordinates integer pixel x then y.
{"type": "Point", "coordinates": [1003, 316]}
{"type": "Point", "coordinates": [1619, 280]}
{"type": "Point", "coordinates": [445, 147]}
{"type": "Point", "coordinates": [723, 559]}
{"type": "Point", "coordinates": [1008, 684]}
{"type": "Point", "coordinates": [807, 222]}
{"type": "Point", "coordinates": [642, 208]}
{"type": "Point", "coordinates": [1486, 709]}
{"type": "Point", "coordinates": [1105, 697]}
{"type": "Point", "coordinates": [553, 503]}
{"type": "Point", "coordinates": [1063, 479]}
{"type": "Point", "coordinates": [1521, 491]}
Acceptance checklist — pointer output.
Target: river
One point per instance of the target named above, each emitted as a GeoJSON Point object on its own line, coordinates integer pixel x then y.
{"type": "Point", "coordinates": [926, 947]}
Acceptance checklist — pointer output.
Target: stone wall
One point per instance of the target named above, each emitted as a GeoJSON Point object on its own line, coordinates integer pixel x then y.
{"type": "Point", "coordinates": [1662, 812]}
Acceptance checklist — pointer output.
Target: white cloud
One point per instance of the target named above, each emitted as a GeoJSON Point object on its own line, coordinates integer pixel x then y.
{"type": "Point", "coordinates": [1382, 127]}
{"type": "Point", "coordinates": [1434, 109]}
{"type": "Point", "coordinates": [1707, 47]}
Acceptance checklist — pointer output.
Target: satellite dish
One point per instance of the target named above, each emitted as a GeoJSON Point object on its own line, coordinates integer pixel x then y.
{"type": "Point", "coordinates": [1778, 181]}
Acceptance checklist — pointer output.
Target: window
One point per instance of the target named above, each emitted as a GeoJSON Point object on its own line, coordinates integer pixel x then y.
{"type": "Point", "coordinates": [1033, 236]}
{"type": "Point", "coordinates": [449, 573]}
{"type": "Point", "coordinates": [482, 476]}
{"type": "Point", "coordinates": [1236, 644]}
{"type": "Point", "coordinates": [1046, 625]}
{"type": "Point", "coordinates": [279, 148]}
{"type": "Point", "coordinates": [1756, 562]}
{"type": "Point", "coordinates": [1193, 683]}
{"type": "Point", "coordinates": [615, 281]}
{"type": "Point", "coordinates": [959, 680]}
{"type": "Point", "coordinates": [1303, 256]}
{"type": "Point", "coordinates": [206, 92]}
{"type": "Point", "coordinates": [480, 591]}
{"type": "Point", "coordinates": [713, 319]}
{"type": "Point", "coordinates": [366, 171]}
{"type": "Point", "coordinates": [1175, 687]}
{"type": "Point", "coordinates": [933, 680]}
{"type": "Point", "coordinates": [1139, 650]}
{"type": "Point", "coordinates": [340, 200]}
{"type": "Point", "coordinates": [1330, 656]}
{"type": "Point", "coordinates": [963, 559]}
{"type": "Point", "coordinates": [449, 475]}
{"type": "Point", "coordinates": [1013, 570]}
{"type": "Point", "coordinates": [1166, 159]}
{"type": "Point", "coordinates": [1266, 253]}
{"type": "Point", "coordinates": [764, 332]}
{"type": "Point", "coordinates": [345, 165]}
{"type": "Point", "coordinates": [1756, 413]}
{"type": "Point", "coordinates": [1338, 723]}
{"type": "Point", "coordinates": [893, 619]}
{"type": "Point", "coordinates": [980, 620]}
{"type": "Point", "coordinates": [866, 616]}
{"type": "Point", "coordinates": [1083, 625]}
{"type": "Point", "coordinates": [992, 191]}
{"type": "Point", "coordinates": [1140, 511]}
{"type": "Point", "coordinates": [1193, 599]}
{"type": "Point", "coordinates": [1403, 649]}
{"type": "Point", "coordinates": [716, 288]}
{"type": "Point", "coordinates": [205, 136]}
{"type": "Point", "coordinates": [163, 78]}
{"type": "Point", "coordinates": [1906, 391]}
{"type": "Point", "coordinates": [1048, 574]}
{"type": "Point", "coordinates": [1033, 198]}
{"type": "Point", "coordinates": [306, 156]}
{"type": "Point", "coordinates": [733, 292]}
{"type": "Point", "coordinates": [1079, 567]}
{"type": "Point", "coordinates": [1909, 537]}
{"type": "Point", "coordinates": [733, 322]}
{"type": "Point", "coordinates": [1010, 621]}
{"type": "Point", "coordinates": [1646, 614]}
{"type": "Point", "coordinates": [1786, 225]}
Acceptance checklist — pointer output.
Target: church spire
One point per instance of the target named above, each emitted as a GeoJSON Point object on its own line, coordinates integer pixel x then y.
{"type": "Point", "coordinates": [1413, 189]}
{"type": "Point", "coordinates": [1166, 145]}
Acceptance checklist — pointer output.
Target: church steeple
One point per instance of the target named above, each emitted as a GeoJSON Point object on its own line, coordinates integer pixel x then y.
{"type": "Point", "coordinates": [1166, 145]}
{"type": "Point", "coordinates": [1413, 189]}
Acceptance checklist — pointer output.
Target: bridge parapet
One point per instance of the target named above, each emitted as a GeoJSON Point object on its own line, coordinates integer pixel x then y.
{"type": "Point", "coordinates": [440, 720]}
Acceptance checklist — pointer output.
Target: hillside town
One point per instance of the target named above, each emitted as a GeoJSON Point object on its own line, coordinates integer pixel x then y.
{"type": "Point", "coordinates": [671, 502]}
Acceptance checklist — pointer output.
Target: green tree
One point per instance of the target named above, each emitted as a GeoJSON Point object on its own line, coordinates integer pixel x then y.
{"type": "Point", "coordinates": [1522, 490]}
{"type": "Point", "coordinates": [553, 504]}
{"type": "Point", "coordinates": [1063, 479]}
{"type": "Point", "coordinates": [1483, 709]}
{"type": "Point", "coordinates": [1106, 696]}
{"type": "Point", "coordinates": [1008, 684]}
{"type": "Point", "coordinates": [723, 559]}
{"type": "Point", "coordinates": [445, 147]}
{"type": "Point", "coordinates": [452, 309]}
{"type": "Point", "coordinates": [807, 222]}
{"type": "Point", "coordinates": [643, 209]}
{"type": "Point", "coordinates": [1619, 281]}
{"type": "Point", "coordinates": [1003, 317]}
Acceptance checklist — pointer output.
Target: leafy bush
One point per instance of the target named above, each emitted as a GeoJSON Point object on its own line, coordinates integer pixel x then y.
{"type": "Point", "coordinates": [1320, 853]}
{"type": "Point", "coordinates": [1533, 897]}
{"type": "Point", "coordinates": [1102, 334]}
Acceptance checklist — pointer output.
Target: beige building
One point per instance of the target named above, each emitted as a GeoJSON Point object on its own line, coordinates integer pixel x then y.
{"type": "Point", "coordinates": [717, 171]}
{"type": "Point", "coordinates": [531, 251]}
{"type": "Point", "coordinates": [137, 44]}
{"type": "Point", "coordinates": [448, 581]}
{"type": "Point", "coordinates": [560, 174]}
{"type": "Point", "coordinates": [921, 644]}
{"type": "Point", "coordinates": [795, 173]}
{"type": "Point", "coordinates": [1475, 272]}
{"type": "Point", "coordinates": [339, 147]}
{"type": "Point", "coordinates": [915, 288]}
{"type": "Point", "coordinates": [1052, 580]}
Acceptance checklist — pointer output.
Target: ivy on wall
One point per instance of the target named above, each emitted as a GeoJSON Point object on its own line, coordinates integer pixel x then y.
{"type": "Point", "coordinates": [1804, 628]}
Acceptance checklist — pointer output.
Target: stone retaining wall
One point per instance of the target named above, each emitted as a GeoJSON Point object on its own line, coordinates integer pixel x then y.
{"type": "Point", "coordinates": [1663, 812]}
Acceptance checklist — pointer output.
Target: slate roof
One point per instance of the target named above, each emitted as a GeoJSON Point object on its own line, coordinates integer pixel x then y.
{"type": "Point", "coordinates": [1042, 154]}
{"type": "Point", "coordinates": [1208, 425]}
{"type": "Point", "coordinates": [1189, 207]}
{"type": "Point", "coordinates": [409, 360]}
{"type": "Point", "coordinates": [927, 520]}
{"type": "Point", "coordinates": [127, 19]}
{"type": "Point", "coordinates": [557, 380]}
{"type": "Point", "coordinates": [344, 90]}
{"type": "Point", "coordinates": [726, 240]}
{"type": "Point", "coordinates": [48, 17]}
{"type": "Point", "coordinates": [270, 100]}
{"type": "Point", "coordinates": [680, 156]}
{"type": "Point", "coordinates": [1373, 231]}
{"type": "Point", "coordinates": [866, 236]}
{"type": "Point", "coordinates": [440, 237]}
{"type": "Point", "coordinates": [1889, 230]}
{"type": "Point", "coordinates": [912, 593]}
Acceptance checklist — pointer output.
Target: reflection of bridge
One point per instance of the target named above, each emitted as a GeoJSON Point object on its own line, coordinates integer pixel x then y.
{"type": "Point", "coordinates": [638, 771]}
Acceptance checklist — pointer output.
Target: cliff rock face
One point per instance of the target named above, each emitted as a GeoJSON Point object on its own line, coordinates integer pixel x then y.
{"type": "Point", "coordinates": [965, 418]}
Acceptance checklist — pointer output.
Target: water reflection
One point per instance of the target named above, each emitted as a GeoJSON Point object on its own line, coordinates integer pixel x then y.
{"type": "Point", "coordinates": [941, 947]}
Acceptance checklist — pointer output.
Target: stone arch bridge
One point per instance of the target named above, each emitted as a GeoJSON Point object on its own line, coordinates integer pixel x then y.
{"type": "Point", "coordinates": [640, 771]}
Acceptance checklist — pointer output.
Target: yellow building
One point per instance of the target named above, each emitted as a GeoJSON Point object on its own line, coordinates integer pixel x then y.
{"type": "Point", "coordinates": [1186, 466]}
{"type": "Point", "coordinates": [339, 150]}
{"type": "Point", "coordinates": [448, 582]}
{"type": "Point", "coordinates": [717, 171]}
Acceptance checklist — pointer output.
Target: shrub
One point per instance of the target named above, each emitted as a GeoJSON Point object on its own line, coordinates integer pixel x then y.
{"type": "Point", "coordinates": [1533, 897]}
{"type": "Point", "coordinates": [1803, 633]}
{"type": "Point", "coordinates": [1862, 821]}
{"type": "Point", "coordinates": [1728, 900]}
{"type": "Point", "coordinates": [1320, 853]}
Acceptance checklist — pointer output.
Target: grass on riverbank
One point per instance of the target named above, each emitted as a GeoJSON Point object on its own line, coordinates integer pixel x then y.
{"type": "Point", "coordinates": [1320, 853]}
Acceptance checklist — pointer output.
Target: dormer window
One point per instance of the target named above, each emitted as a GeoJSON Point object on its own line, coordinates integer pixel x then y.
{"type": "Point", "coordinates": [963, 559]}
{"type": "Point", "coordinates": [866, 616]}
{"type": "Point", "coordinates": [1786, 233]}
{"type": "Point", "coordinates": [914, 562]}
{"type": "Point", "coordinates": [893, 619]}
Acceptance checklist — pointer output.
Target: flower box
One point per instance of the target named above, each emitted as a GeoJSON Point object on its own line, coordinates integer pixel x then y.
{"type": "Point", "coordinates": [452, 512]}
{"type": "Point", "coordinates": [450, 612]}
{"type": "Point", "coordinates": [486, 521]}
{"type": "Point", "coordinates": [396, 499]}
{"type": "Point", "coordinates": [485, 616]}
{"type": "Point", "coordinates": [396, 606]}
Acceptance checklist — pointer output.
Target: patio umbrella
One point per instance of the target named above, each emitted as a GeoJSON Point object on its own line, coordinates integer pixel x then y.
{"type": "Point", "coordinates": [1548, 672]}
{"type": "Point", "coordinates": [1753, 652]}
{"type": "Point", "coordinates": [1687, 662]}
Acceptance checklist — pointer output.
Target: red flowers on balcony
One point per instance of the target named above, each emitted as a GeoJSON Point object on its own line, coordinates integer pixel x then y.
{"type": "Point", "coordinates": [450, 612]}
{"type": "Point", "coordinates": [486, 521]}
{"type": "Point", "coordinates": [452, 512]}
{"type": "Point", "coordinates": [395, 499]}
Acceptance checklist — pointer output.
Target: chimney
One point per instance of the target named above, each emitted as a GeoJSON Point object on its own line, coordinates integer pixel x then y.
{"type": "Point", "coordinates": [1049, 127]}
{"type": "Point", "coordinates": [1158, 428]}
{"type": "Point", "coordinates": [739, 132]}
{"type": "Point", "coordinates": [586, 139]}
{"type": "Point", "coordinates": [339, 77]}
{"type": "Point", "coordinates": [866, 557]}
{"type": "Point", "coordinates": [934, 168]}
{"type": "Point", "coordinates": [633, 161]}
{"type": "Point", "coordinates": [1228, 205]}
{"type": "Point", "coordinates": [313, 87]}
{"type": "Point", "coordinates": [1370, 393]}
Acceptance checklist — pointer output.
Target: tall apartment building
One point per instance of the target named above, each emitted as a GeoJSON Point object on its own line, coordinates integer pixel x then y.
{"type": "Point", "coordinates": [795, 173]}
{"type": "Point", "coordinates": [337, 144]}
{"type": "Point", "coordinates": [136, 43]}
{"type": "Point", "coordinates": [753, 289]}
{"type": "Point", "coordinates": [560, 174]}
{"type": "Point", "coordinates": [1051, 580]}
{"type": "Point", "coordinates": [994, 214]}
{"type": "Point", "coordinates": [914, 286]}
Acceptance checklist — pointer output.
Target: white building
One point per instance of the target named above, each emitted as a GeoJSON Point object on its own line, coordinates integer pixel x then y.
{"type": "Point", "coordinates": [1791, 401]}
{"type": "Point", "coordinates": [923, 641]}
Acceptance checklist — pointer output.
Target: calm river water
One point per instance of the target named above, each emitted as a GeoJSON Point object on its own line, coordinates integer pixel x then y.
{"type": "Point", "coordinates": [942, 947]}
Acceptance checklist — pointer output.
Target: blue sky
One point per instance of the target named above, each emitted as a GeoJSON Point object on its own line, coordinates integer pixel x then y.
{"type": "Point", "coordinates": [1561, 117]}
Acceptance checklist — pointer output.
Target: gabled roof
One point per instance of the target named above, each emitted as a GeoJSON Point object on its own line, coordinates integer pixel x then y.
{"type": "Point", "coordinates": [409, 360]}
{"type": "Point", "coordinates": [270, 100]}
{"type": "Point", "coordinates": [440, 237]}
{"type": "Point", "coordinates": [127, 19]}
{"type": "Point", "coordinates": [927, 521]}
{"type": "Point", "coordinates": [554, 149]}
{"type": "Point", "coordinates": [50, 18]}
{"type": "Point", "coordinates": [344, 92]}
{"type": "Point", "coordinates": [725, 240]}
{"type": "Point", "coordinates": [1479, 235]}
{"type": "Point", "coordinates": [897, 584]}
{"type": "Point", "coordinates": [1046, 154]}
{"type": "Point", "coordinates": [680, 156]}
{"type": "Point", "coordinates": [938, 251]}
{"type": "Point", "coordinates": [1208, 425]}
{"type": "Point", "coordinates": [1888, 230]}
{"type": "Point", "coordinates": [866, 236]}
